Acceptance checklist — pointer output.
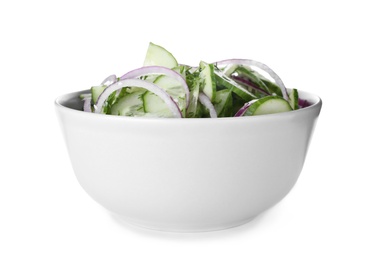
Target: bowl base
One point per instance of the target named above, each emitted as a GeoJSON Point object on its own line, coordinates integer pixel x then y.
{"type": "Point", "coordinates": [179, 229]}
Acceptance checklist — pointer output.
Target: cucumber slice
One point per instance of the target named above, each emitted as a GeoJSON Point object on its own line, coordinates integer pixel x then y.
{"type": "Point", "coordinates": [192, 110]}
{"type": "Point", "coordinates": [96, 91]}
{"type": "Point", "coordinates": [223, 80]}
{"type": "Point", "coordinates": [181, 69]}
{"type": "Point", "coordinates": [82, 96]}
{"type": "Point", "coordinates": [207, 75]}
{"type": "Point", "coordinates": [175, 89]}
{"type": "Point", "coordinates": [254, 77]}
{"type": "Point", "coordinates": [150, 78]}
{"type": "Point", "coordinates": [266, 86]}
{"type": "Point", "coordinates": [131, 104]}
{"type": "Point", "coordinates": [268, 105]}
{"type": "Point", "coordinates": [154, 106]}
{"type": "Point", "coordinates": [274, 89]}
{"type": "Point", "coordinates": [293, 99]}
{"type": "Point", "coordinates": [229, 70]}
{"type": "Point", "coordinates": [223, 103]}
{"type": "Point", "coordinates": [159, 56]}
{"type": "Point", "coordinates": [193, 81]}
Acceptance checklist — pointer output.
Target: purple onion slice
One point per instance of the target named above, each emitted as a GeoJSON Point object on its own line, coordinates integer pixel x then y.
{"type": "Point", "coordinates": [148, 70]}
{"type": "Point", "coordinates": [205, 101]}
{"type": "Point", "coordinates": [261, 66]}
{"type": "Point", "coordinates": [142, 84]}
{"type": "Point", "coordinates": [243, 109]}
{"type": "Point", "coordinates": [109, 80]}
{"type": "Point", "coordinates": [87, 104]}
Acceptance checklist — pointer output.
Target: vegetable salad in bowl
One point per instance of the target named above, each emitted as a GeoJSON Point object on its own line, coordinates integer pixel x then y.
{"type": "Point", "coordinates": [165, 88]}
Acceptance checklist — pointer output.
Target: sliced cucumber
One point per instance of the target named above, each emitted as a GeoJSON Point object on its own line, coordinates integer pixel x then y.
{"type": "Point", "coordinates": [267, 87]}
{"type": "Point", "coordinates": [207, 75]}
{"type": "Point", "coordinates": [192, 110]}
{"type": "Point", "coordinates": [154, 106]}
{"type": "Point", "coordinates": [175, 89]}
{"type": "Point", "coordinates": [253, 76]}
{"type": "Point", "coordinates": [82, 96]}
{"type": "Point", "coordinates": [202, 111]}
{"type": "Point", "coordinates": [293, 99]}
{"type": "Point", "coordinates": [96, 91]}
{"type": "Point", "coordinates": [223, 103]}
{"type": "Point", "coordinates": [223, 80]}
{"type": "Point", "coordinates": [150, 78]}
{"type": "Point", "coordinates": [228, 70]}
{"type": "Point", "coordinates": [131, 104]}
{"type": "Point", "coordinates": [159, 56]}
{"type": "Point", "coordinates": [181, 69]}
{"type": "Point", "coordinates": [274, 89]}
{"type": "Point", "coordinates": [268, 105]}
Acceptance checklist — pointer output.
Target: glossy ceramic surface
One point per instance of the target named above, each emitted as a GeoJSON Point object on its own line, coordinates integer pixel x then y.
{"type": "Point", "coordinates": [187, 175]}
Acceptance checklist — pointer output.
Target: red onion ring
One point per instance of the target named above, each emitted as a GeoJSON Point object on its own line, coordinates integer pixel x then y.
{"type": "Point", "coordinates": [87, 104]}
{"type": "Point", "coordinates": [261, 66]}
{"type": "Point", "coordinates": [109, 80]}
{"type": "Point", "coordinates": [243, 109]}
{"type": "Point", "coordinates": [142, 84]}
{"type": "Point", "coordinates": [159, 70]}
{"type": "Point", "coordinates": [205, 101]}
{"type": "Point", "coordinates": [248, 83]}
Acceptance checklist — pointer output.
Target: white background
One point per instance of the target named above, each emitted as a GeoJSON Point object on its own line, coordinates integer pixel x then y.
{"type": "Point", "coordinates": [49, 48]}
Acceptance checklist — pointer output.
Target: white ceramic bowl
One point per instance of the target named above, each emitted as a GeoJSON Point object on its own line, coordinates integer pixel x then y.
{"type": "Point", "coordinates": [187, 174]}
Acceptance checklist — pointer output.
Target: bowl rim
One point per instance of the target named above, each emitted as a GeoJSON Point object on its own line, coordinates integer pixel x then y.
{"type": "Point", "coordinates": [315, 100]}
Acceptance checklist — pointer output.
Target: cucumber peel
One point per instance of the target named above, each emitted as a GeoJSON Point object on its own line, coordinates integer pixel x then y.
{"type": "Point", "coordinates": [227, 82]}
{"type": "Point", "coordinates": [293, 99]}
{"type": "Point", "coordinates": [159, 56]}
{"type": "Point", "coordinates": [268, 105]}
{"type": "Point", "coordinates": [96, 91]}
{"type": "Point", "coordinates": [223, 103]}
{"type": "Point", "coordinates": [174, 89]}
{"type": "Point", "coordinates": [208, 85]}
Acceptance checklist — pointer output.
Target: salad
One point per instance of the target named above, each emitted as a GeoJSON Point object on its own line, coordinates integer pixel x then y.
{"type": "Point", "coordinates": [165, 88]}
